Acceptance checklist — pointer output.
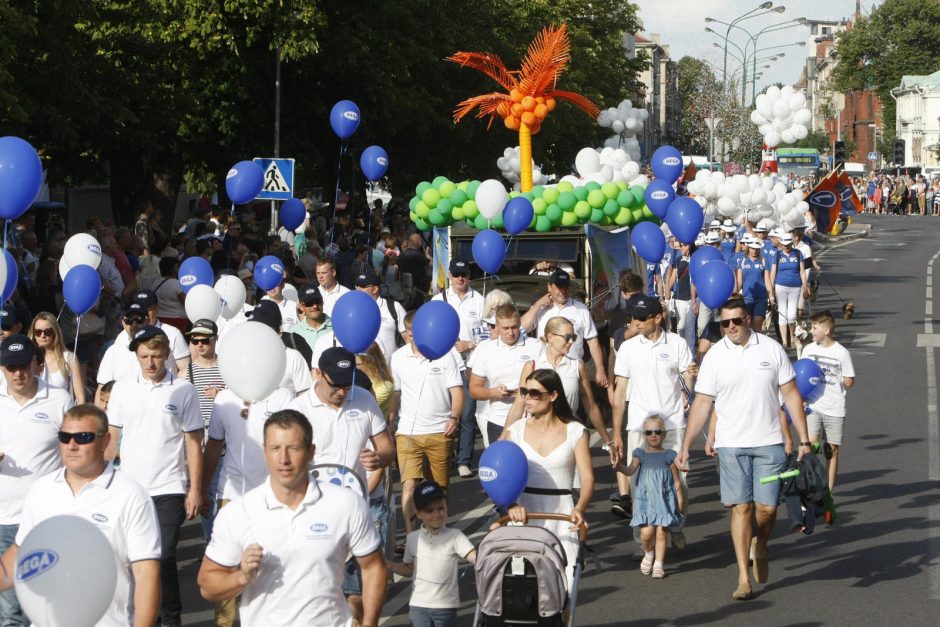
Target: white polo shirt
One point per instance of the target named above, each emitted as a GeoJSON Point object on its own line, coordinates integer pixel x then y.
{"type": "Point", "coordinates": [119, 508]}
{"type": "Point", "coordinates": [501, 364]}
{"type": "Point", "coordinates": [745, 382]}
{"type": "Point", "coordinates": [288, 309]}
{"type": "Point", "coordinates": [243, 465]}
{"type": "Point", "coordinates": [29, 442]}
{"type": "Point", "coordinates": [425, 390]}
{"type": "Point", "coordinates": [436, 557]}
{"type": "Point", "coordinates": [654, 368]}
{"type": "Point", "coordinates": [387, 326]}
{"type": "Point", "coordinates": [296, 373]}
{"type": "Point", "coordinates": [469, 309]}
{"type": "Point", "coordinates": [153, 418]}
{"type": "Point", "coordinates": [331, 296]}
{"type": "Point", "coordinates": [301, 575]}
{"type": "Point", "coordinates": [579, 316]}
{"type": "Point", "coordinates": [119, 361]}
{"type": "Point", "coordinates": [340, 435]}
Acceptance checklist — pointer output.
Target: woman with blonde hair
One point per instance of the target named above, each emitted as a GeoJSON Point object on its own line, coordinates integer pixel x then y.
{"type": "Point", "coordinates": [62, 368]}
{"type": "Point", "coordinates": [373, 363]}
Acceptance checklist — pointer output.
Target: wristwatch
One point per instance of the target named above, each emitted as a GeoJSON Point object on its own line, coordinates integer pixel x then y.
{"type": "Point", "coordinates": [809, 444]}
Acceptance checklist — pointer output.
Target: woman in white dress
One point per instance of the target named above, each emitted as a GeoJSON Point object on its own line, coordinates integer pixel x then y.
{"type": "Point", "coordinates": [61, 365]}
{"type": "Point", "coordinates": [559, 335]}
{"type": "Point", "coordinates": [555, 445]}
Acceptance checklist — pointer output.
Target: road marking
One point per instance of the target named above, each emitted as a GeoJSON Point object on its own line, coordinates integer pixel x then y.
{"type": "Point", "coordinates": [827, 249]}
{"type": "Point", "coordinates": [869, 340]}
{"type": "Point", "coordinates": [933, 434]}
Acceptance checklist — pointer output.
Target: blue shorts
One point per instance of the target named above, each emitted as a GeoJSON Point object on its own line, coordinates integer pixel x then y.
{"type": "Point", "coordinates": [352, 576]}
{"type": "Point", "coordinates": [756, 307]}
{"type": "Point", "coordinates": [741, 472]}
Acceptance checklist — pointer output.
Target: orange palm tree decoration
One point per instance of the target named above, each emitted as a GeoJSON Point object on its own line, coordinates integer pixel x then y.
{"type": "Point", "coordinates": [530, 92]}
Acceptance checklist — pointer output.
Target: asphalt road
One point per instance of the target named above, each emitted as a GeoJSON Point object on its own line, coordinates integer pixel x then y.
{"type": "Point", "coordinates": [880, 562]}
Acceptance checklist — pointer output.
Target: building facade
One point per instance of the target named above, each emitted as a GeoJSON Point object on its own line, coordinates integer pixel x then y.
{"type": "Point", "coordinates": [659, 94]}
{"type": "Point", "coordinates": [917, 120]}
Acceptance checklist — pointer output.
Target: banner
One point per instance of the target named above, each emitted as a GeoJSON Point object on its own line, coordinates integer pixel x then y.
{"type": "Point", "coordinates": [825, 202]}
{"type": "Point", "coordinates": [440, 246]}
{"type": "Point", "coordinates": [611, 256]}
{"type": "Point", "coordinates": [850, 201]}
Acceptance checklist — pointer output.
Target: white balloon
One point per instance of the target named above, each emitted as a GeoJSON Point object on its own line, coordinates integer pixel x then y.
{"type": "Point", "coordinates": [202, 303]}
{"type": "Point", "coordinates": [571, 178]}
{"type": "Point", "coordinates": [641, 180]}
{"type": "Point", "coordinates": [82, 249]}
{"type": "Point", "coordinates": [607, 173]}
{"type": "Point", "coordinates": [702, 174]}
{"type": "Point", "coordinates": [797, 102]}
{"type": "Point", "coordinates": [598, 177]}
{"type": "Point", "coordinates": [781, 109]}
{"type": "Point", "coordinates": [726, 205]}
{"type": "Point", "coordinates": [631, 170]}
{"type": "Point", "coordinates": [766, 183]}
{"type": "Point", "coordinates": [800, 131]}
{"type": "Point", "coordinates": [772, 139]}
{"type": "Point", "coordinates": [491, 198]}
{"type": "Point", "coordinates": [64, 268]}
{"type": "Point", "coordinates": [587, 162]}
{"type": "Point", "coordinates": [757, 118]}
{"type": "Point", "coordinates": [718, 177]}
{"type": "Point", "coordinates": [764, 106]}
{"type": "Point", "coordinates": [803, 116]}
{"type": "Point", "coordinates": [51, 572]}
{"type": "Point", "coordinates": [787, 137]}
{"type": "Point", "coordinates": [617, 126]}
{"type": "Point", "coordinates": [231, 292]}
{"type": "Point", "coordinates": [252, 360]}
{"type": "Point", "coordinates": [773, 93]}
{"type": "Point", "coordinates": [709, 189]}
{"type": "Point", "coordinates": [786, 91]}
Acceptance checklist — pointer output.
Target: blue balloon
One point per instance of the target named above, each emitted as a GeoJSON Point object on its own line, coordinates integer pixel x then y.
{"type": "Point", "coordinates": [20, 176]}
{"type": "Point", "coordinates": [809, 378]}
{"type": "Point", "coordinates": [374, 162]}
{"type": "Point", "coordinates": [244, 181]}
{"type": "Point", "coordinates": [344, 118]}
{"type": "Point", "coordinates": [489, 250]}
{"type": "Point", "coordinates": [195, 271]}
{"type": "Point", "coordinates": [356, 321]}
{"type": "Point", "coordinates": [685, 219]}
{"type": "Point", "coordinates": [700, 257]}
{"type": "Point", "coordinates": [81, 288]}
{"type": "Point", "coordinates": [667, 164]}
{"type": "Point", "coordinates": [715, 283]}
{"type": "Point", "coordinates": [649, 241]}
{"type": "Point", "coordinates": [659, 195]}
{"type": "Point", "coordinates": [269, 272]}
{"type": "Point", "coordinates": [435, 328]}
{"type": "Point", "coordinates": [292, 213]}
{"type": "Point", "coordinates": [13, 276]}
{"type": "Point", "coordinates": [504, 472]}
{"type": "Point", "coordinates": [517, 215]}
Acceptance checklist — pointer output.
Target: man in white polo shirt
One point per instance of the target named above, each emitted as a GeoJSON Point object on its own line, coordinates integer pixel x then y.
{"type": "Point", "coordinates": [329, 287]}
{"type": "Point", "coordinates": [283, 545]}
{"type": "Point", "coordinates": [344, 418]}
{"type": "Point", "coordinates": [468, 303]}
{"type": "Point", "coordinates": [558, 302]}
{"type": "Point", "coordinates": [743, 376]}
{"type": "Point", "coordinates": [649, 365]}
{"type": "Point", "coordinates": [392, 314]}
{"type": "Point", "coordinates": [91, 488]}
{"type": "Point", "coordinates": [287, 307]}
{"type": "Point", "coordinates": [158, 414]}
{"type": "Point", "coordinates": [30, 417]}
{"type": "Point", "coordinates": [426, 409]}
{"type": "Point", "coordinates": [495, 368]}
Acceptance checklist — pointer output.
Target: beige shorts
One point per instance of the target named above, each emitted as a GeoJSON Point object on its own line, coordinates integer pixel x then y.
{"type": "Point", "coordinates": [436, 448]}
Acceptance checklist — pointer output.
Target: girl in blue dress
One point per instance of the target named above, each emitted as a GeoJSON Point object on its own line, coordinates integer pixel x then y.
{"type": "Point", "coordinates": [658, 503]}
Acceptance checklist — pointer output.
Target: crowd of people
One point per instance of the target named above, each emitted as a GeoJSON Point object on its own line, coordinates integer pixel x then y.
{"type": "Point", "coordinates": [126, 419]}
{"type": "Point", "coordinates": [899, 194]}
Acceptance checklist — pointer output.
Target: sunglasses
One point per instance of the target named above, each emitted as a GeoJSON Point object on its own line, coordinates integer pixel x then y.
{"type": "Point", "coordinates": [640, 318]}
{"type": "Point", "coordinates": [200, 340]}
{"type": "Point", "coordinates": [535, 395]}
{"type": "Point", "coordinates": [82, 437]}
{"type": "Point", "coordinates": [654, 432]}
{"type": "Point", "coordinates": [44, 332]}
{"type": "Point", "coordinates": [135, 320]}
{"type": "Point", "coordinates": [737, 321]}
{"type": "Point", "coordinates": [334, 386]}
{"type": "Point", "coordinates": [568, 337]}
{"type": "Point", "coordinates": [460, 275]}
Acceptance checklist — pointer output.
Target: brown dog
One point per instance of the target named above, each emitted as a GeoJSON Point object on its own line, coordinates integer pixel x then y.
{"type": "Point", "coordinates": [848, 310]}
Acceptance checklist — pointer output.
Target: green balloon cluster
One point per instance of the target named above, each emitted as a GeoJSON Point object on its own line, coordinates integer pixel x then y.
{"type": "Point", "coordinates": [443, 203]}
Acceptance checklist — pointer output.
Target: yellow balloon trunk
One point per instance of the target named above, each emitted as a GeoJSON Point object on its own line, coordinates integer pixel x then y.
{"type": "Point", "coordinates": [525, 157]}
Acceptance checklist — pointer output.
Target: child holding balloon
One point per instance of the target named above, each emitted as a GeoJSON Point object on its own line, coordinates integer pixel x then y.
{"type": "Point", "coordinates": [658, 503]}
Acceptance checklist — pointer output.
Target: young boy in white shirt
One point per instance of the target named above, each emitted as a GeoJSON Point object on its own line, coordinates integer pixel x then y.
{"type": "Point", "coordinates": [432, 554]}
{"type": "Point", "coordinates": [826, 413]}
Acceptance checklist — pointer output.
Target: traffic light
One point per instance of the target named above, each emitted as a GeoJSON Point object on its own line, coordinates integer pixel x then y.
{"type": "Point", "coordinates": [839, 151]}
{"type": "Point", "coordinates": [899, 151]}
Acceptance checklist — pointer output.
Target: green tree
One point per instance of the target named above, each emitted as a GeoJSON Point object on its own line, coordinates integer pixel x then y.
{"type": "Point", "coordinates": [901, 37]}
{"type": "Point", "coordinates": [701, 98]}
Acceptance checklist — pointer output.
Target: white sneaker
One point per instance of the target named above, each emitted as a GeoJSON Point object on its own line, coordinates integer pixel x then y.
{"type": "Point", "coordinates": [464, 471]}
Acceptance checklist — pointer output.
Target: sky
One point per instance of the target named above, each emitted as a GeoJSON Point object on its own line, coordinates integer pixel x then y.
{"type": "Point", "coordinates": [681, 26]}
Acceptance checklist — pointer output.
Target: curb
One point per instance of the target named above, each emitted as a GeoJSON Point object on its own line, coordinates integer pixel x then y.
{"type": "Point", "coordinates": [845, 237]}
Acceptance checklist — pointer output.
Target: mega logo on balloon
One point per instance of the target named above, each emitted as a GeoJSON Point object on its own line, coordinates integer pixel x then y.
{"type": "Point", "coordinates": [35, 564]}
{"type": "Point", "coordinates": [504, 472]}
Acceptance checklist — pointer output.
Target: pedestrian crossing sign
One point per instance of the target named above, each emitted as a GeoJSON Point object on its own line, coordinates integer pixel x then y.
{"type": "Point", "coordinates": [278, 178]}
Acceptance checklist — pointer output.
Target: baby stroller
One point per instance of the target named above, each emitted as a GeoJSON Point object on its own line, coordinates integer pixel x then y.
{"type": "Point", "coordinates": [520, 576]}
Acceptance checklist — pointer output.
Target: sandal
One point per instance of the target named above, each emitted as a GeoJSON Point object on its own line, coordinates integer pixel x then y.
{"type": "Point", "coordinates": [742, 593]}
{"type": "Point", "coordinates": [646, 566]}
{"type": "Point", "coordinates": [658, 572]}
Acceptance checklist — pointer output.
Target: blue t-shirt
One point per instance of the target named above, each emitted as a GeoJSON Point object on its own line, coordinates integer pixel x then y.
{"type": "Point", "coordinates": [683, 285]}
{"type": "Point", "coordinates": [727, 247]}
{"type": "Point", "coordinates": [651, 270]}
{"type": "Point", "coordinates": [738, 258]}
{"type": "Point", "coordinates": [788, 268]}
{"type": "Point", "coordinates": [752, 278]}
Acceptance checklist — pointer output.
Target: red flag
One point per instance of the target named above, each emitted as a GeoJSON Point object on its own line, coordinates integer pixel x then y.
{"type": "Point", "coordinates": [850, 200]}
{"type": "Point", "coordinates": [825, 202]}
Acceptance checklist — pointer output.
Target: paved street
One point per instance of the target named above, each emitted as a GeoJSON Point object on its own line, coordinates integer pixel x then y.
{"type": "Point", "coordinates": [878, 563]}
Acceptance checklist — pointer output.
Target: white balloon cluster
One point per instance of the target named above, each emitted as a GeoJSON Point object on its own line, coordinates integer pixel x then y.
{"type": "Point", "coordinates": [508, 166]}
{"type": "Point", "coordinates": [781, 116]}
{"type": "Point", "coordinates": [753, 197]}
{"type": "Point", "coordinates": [608, 165]}
{"type": "Point", "coordinates": [626, 122]}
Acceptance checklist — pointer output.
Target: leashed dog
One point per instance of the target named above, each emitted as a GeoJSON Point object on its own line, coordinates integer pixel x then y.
{"type": "Point", "coordinates": [802, 335]}
{"type": "Point", "coordinates": [848, 310]}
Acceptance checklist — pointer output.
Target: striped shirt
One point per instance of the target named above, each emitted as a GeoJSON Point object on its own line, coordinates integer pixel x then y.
{"type": "Point", "coordinates": [202, 377]}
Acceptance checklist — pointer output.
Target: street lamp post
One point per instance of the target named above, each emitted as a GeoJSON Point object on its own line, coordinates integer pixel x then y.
{"type": "Point", "coordinates": [277, 126]}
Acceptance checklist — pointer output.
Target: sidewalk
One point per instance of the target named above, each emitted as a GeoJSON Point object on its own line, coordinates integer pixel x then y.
{"type": "Point", "coordinates": [853, 231]}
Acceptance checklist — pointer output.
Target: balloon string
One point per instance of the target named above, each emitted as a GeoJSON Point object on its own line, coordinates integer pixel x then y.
{"type": "Point", "coordinates": [78, 326]}
{"type": "Point", "coordinates": [339, 170]}
{"type": "Point", "coordinates": [6, 228]}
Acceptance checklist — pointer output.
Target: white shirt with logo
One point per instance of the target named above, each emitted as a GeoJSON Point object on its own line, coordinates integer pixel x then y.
{"type": "Point", "coordinates": [119, 508]}
{"type": "Point", "coordinates": [301, 575]}
{"type": "Point", "coordinates": [288, 310]}
{"type": "Point", "coordinates": [331, 296]}
{"type": "Point", "coordinates": [153, 418]}
{"type": "Point", "coordinates": [119, 361]}
{"type": "Point", "coordinates": [425, 390]}
{"type": "Point", "coordinates": [501, 364]}
{"type": "Point", "coordinates": [653, 369]}
{"type": "Point", "coordinates": [580, 317]}
{"type": "Point", "coordinates": [469, 309]}
{"type": "Point", "coordinates": [836, 364]}
{"type": "Point", "coordinates": [436, 556]}
{"type": "Point", "coordinates": [387, 327]}
{"type": "Point", "coordinates": [29, 442]}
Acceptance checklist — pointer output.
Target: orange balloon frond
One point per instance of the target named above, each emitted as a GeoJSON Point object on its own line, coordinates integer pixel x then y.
{"type": "Point", "coordinates": [576, 99]}
{"type": "Point", "coordinates": [545, 60]}
{"type": "Point", "coordinates": [486, 104]}
{"type": "Point", "coordinates": [489, 64]}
